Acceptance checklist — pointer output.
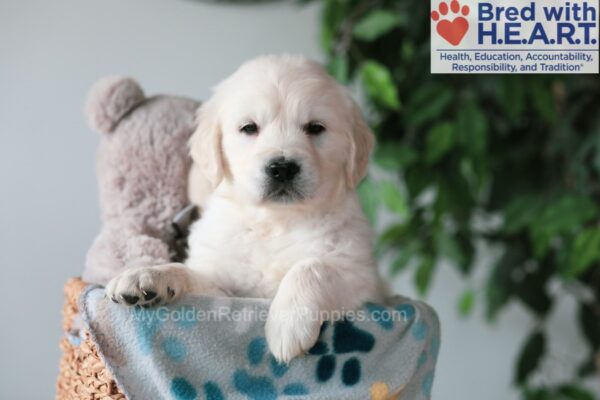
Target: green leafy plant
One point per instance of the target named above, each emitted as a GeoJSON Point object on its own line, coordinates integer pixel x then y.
{"type": "Point", "coordinates": [508, 160]}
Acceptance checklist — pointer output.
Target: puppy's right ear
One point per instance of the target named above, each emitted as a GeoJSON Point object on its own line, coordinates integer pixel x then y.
{"type": "Point", "coordinates": [205, 144]}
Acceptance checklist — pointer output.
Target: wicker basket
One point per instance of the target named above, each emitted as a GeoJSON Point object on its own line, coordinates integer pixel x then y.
{"type": "Point", "coordinates": [82, 373]}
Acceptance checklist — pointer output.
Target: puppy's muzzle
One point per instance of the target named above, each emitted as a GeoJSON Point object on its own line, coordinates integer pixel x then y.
{"type": "Point", "coordinates": [283, 184]}
{"type": "Point", "coordinates": [281, 170]}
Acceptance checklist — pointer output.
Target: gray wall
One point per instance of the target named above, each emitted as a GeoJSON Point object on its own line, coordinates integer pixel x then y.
{"type": "Point", "coordinates": [50, 54]}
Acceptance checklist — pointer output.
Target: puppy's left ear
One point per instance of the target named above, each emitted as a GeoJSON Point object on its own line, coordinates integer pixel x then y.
{"type": "Point", "coordinates": [361, 144]}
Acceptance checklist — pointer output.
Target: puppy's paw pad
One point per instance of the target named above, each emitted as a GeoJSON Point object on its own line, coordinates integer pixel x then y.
{"type": "Point", "coordinates": [129, 299]}
{"type": "Point", "coordinates": [149, 295]}
{"type": "Point", "coordinates": [145, 287]}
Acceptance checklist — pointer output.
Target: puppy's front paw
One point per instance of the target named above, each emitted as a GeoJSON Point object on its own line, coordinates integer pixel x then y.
{"type": "Point", "coordinates": [291, 331]}
{"type": "Point", "coordinates": [146, 287]}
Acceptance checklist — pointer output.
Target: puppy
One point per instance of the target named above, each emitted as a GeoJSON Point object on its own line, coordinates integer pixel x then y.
{"type": "Point", "coordinates": [281, 148]}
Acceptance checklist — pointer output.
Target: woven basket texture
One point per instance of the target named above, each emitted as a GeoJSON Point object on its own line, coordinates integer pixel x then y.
{"type": "Point", "coordinates": [82, 373]}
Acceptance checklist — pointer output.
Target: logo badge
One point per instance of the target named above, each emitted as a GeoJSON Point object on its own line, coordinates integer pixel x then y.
{"type": "Point", "coordinates": [514, 36]}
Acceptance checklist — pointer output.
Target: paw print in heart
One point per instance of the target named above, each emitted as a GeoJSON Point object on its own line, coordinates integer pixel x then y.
{"type": "Point", "coordinates": [452, 30]}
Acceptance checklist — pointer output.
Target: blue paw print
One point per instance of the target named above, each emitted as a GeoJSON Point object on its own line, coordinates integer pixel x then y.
{"type": "Point", "coordinates": [264, 387]}
{"type": "Point", "coordinates": [347, 339]}
{"type": "Point", "coordinates": [182, 389]}
{"type": "Point", "coordinates": [382, 315]}
{"type": "Point", "coordinates": [148, 322]}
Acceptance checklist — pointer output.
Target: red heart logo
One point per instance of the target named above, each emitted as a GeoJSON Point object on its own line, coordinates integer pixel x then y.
{"type": "Point", "coordinates": [453, 31]}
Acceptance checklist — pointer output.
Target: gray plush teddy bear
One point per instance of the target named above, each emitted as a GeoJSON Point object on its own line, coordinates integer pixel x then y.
{"type": "Point", "coordinates": [142, 165]}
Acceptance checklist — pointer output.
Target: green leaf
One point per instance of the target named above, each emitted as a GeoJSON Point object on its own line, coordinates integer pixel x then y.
{"type": "Point", "coordinates": [465, 303]}
{"type": "Point", "coordinates": [393, 198]}
{"type": "Point", "coordinates": [332, 17]}
{"type": "Point", "coordinates": [596, 157]}
{"type": "Point", "coordinates": [453, 194]}
{"type": "Point", "coordinates": [564, 214]}
{"type": "Point", "coordinates": [338, 68]}
{"type": "Point", "coordinates": [500, 286]}
{"type": "Point", "coordinates": [379, 84]}
{"type": "Point", "coordinates": [520, 213]}
{"type": "Point", "coordinates": [497, 295]}
{"type": "Point", "coordinates": [530, 357]}
{"type": "Point", "coordinates": [541, 242]}
{"type": "Point", "coordinates": [368, 195]}
{"type": "Point", "coordinates": [543, 100]}
{"type": "Point", "coordinates": [405, 257]}
{"type": "Point", "coordinates": [589, 322]}
{"type": "Point", "coordinates": [440, 140]}
{"type": "Point", "coordinates": [393, 156]}
{"type": "Point", "coordinates": [472, 128]}
{"type": "Point", "coordinates": [376, 24]}
{"type": "Point", "coordinates": [393, 236]}
{"type": "Point", "coordinates": [418, 179]}
{"type": "Point", "coordinates": [475, 171]}
{"type": "Point", "coordinates": [512, 96]}
{"type": "Point", "coordinates": [400, 263]}
{"type": "Point", "coordinates": [429, 103]}
{"type": "Point", "coordinates": [573, 392]}
{"type": "Point", "coordinates": [408, 50]}
{"type": "Point", "coordinates": [465, 252]}
{"type": "Point", "coordinates": [587, 367]}
{"type": "Point", "coordinates": [447, 246]}
{"type": "Point", "coordinates": [538, 394]}
{"type": "Point", "coordinates": [584, 252]}
{"type": "Point", "coordinates": [532, 289]}
{"type": "Point", "coordinates": [423, 274]}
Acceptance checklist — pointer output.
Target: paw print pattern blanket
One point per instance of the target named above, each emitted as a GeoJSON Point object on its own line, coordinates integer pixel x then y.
{"type": "Point", "coordinates": [215, 349]}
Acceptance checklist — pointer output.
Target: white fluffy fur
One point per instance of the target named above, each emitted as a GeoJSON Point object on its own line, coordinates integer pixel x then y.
{"type": "Point", "coordinates": [311, 255]}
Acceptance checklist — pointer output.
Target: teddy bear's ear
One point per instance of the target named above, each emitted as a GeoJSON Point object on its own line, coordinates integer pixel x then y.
{"type": "Point", "coordinates": [109, 100]}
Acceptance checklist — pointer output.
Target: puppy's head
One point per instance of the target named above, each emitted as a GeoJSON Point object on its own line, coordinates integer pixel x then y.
{"type": "Point", "coordinates": [281, 130]}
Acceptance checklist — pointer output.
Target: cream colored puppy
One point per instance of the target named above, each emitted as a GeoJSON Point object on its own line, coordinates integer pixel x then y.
{"type": "Point", "coordinates": [281, 146]}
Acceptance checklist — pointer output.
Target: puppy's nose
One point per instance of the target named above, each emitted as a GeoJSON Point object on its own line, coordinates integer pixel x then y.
{"type": "Point", "coordinates": [282, 170]}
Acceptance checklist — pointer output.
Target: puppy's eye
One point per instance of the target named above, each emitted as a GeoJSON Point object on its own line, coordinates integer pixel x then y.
{"type": "Point", "coordinates": [249, 129]}
{"type": "Point", "coordinates": [314, 128]}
